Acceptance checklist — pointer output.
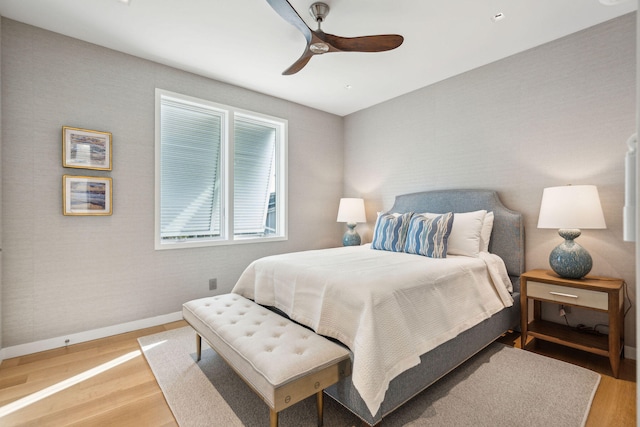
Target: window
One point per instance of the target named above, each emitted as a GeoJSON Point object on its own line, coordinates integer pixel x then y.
{"type": "Point", "coordinates": [220, 174]}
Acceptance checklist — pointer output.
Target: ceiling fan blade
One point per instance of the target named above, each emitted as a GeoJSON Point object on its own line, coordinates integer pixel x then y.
{"type": "Point", "coordinates": [289, 14]}
{"type": "Point", "coordinates": [379, 43]}
{"type": "Point", "coordinates": [318, 42]}
{"type": "Point", "coordinates": [299, 64]}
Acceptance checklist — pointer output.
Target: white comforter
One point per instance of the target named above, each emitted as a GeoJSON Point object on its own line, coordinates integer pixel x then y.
{"type": "Point", "coordinates": [387, 307]}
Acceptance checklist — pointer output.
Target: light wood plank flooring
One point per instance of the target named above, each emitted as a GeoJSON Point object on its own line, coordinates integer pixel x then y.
{"type": "Point", "coordinates": [128, 395]}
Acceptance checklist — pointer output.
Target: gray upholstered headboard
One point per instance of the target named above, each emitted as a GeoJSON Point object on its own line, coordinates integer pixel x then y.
{"type": "Point", "coordinates": [507, 237]}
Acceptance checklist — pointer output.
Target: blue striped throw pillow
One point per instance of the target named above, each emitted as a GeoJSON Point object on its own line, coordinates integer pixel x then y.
{"type": "Point", "coordinates": [390, 231]}
{"type": "Point", "coordinates": [428, 236]}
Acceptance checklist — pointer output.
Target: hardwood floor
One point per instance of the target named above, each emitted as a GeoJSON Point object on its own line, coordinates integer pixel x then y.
{"type": "Point", "coordinates": [125, 392]}
{"type": "Point", "coordinates": [123, 395]}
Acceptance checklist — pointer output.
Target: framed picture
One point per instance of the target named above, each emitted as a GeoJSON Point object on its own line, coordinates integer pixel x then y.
{"type": "Point", "coordinates": [86, 195]}
{"type": "Point", "coordinates": [86, 149]}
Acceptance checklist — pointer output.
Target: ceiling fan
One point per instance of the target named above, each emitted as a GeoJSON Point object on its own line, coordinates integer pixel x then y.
{"type": "Point", "coordinates": [319, 42]}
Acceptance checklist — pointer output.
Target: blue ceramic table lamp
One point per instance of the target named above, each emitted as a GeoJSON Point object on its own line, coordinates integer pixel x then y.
{"type": "Point", "coordinates": [570, 208]}
{"type": "Point", "coordinates": [351, 211]}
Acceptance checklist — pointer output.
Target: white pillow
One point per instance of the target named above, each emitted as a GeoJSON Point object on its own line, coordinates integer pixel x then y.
{"type": "Point", "coordinates": [465, 233]}
{"type": "Point", "coordinates": [485, 233]}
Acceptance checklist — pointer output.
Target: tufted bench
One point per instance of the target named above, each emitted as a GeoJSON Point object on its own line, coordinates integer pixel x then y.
{"type": "Point", "coordinates": [280, 360]}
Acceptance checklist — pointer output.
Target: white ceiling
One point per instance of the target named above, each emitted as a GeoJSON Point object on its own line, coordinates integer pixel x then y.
{"type": "Point", "coordinates": [245, 43]}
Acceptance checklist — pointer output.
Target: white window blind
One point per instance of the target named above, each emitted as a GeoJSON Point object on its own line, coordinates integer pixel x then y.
{"type": "Point", "coordinates": [254, 155]}
{"type": "Point", "coordinates": [190, 170]}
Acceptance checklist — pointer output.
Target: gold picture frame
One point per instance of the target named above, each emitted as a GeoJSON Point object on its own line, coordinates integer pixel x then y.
{"type": "Point", "coordinates": [86, 149]}
{"type": "Point", "coordinates": [87, 195]}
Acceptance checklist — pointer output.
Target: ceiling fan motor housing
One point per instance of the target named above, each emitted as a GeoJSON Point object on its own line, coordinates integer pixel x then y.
{"type": "Point", "coordinates": [319, 11]}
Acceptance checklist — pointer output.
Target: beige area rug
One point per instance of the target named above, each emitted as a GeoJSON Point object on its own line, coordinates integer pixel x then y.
{"type": "Point", "coordinates": [500, 386]}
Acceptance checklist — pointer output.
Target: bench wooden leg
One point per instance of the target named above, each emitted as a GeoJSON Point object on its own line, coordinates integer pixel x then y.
{"type": "Point", "coordinates": [273, 418]}
{"type": "Point", "coordinates": [198, 347]}
{"type": "Point", "coordinates": [320, 407]}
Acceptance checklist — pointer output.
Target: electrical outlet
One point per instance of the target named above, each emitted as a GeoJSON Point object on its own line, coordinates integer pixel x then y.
{"type": "Point", "coordinates": [564, 310]}
{"type": "Point", "coordinates": [213, 284]}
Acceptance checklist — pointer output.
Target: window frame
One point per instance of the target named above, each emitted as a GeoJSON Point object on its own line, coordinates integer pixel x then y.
{"type": "Point", "coordinates": [227, 236]}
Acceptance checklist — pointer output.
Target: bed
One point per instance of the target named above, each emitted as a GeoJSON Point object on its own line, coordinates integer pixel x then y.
{"type": "Point", "coordinates": [382, 304]}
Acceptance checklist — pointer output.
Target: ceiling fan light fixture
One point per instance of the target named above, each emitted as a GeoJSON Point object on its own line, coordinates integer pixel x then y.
{"type": "Point", "coordinates": [319, 48]}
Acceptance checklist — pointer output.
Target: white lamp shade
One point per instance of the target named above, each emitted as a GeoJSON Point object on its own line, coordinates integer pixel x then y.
{"type": "Point", "coordinates": [571, 206]}
{"type": "Point", "coordinates": [351, 210]}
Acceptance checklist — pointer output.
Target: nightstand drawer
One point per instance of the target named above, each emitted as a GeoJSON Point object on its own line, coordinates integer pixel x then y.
{"type": "Point", "coordinates": [568, 295]}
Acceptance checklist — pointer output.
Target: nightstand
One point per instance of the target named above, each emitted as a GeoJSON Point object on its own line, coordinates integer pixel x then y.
{"type": "Point", "coordinates": [602, 294]}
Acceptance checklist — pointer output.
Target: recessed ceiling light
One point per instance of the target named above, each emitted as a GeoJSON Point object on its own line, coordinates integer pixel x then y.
{"type": "Point", "coordinates": [125, 2]}
{"type": "Point", "coordinates": [348, 86]}
{"type": "Point", "coordinates": [497, 17]}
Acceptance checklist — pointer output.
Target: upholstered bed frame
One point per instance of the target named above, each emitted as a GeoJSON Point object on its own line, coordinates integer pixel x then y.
{"type": "Point", "coordinates": [507, 241]}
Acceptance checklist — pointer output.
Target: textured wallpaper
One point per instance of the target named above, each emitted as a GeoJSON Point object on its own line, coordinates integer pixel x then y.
{"type": "Point", "coordinates": [557, 114]}
{"type": "Point", "coordinates": [63, 275]}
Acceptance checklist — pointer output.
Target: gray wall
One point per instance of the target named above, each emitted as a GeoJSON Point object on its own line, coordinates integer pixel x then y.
{"type": "Point", "coordinates": [64, 275]}
{"type": "Point", "coordinates": [557, 114]}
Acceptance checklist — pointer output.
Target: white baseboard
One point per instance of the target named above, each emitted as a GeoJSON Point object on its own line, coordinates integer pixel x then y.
{"type": "Point", "coordinates": [51, 343]}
